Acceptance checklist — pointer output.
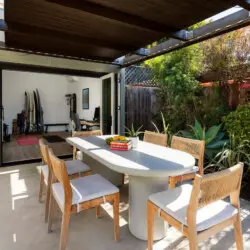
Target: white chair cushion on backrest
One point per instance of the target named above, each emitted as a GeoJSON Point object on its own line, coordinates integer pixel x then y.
{"type": "Point", "coordinates": [85, 189]}
{"type": "Point", "coordinates": [175, 202]}
{"type": "Point", "coordinates": [73, 167]}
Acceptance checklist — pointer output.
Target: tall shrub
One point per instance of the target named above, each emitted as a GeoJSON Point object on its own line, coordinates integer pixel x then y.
{"type": "Point", "coordinates": [237, 123]}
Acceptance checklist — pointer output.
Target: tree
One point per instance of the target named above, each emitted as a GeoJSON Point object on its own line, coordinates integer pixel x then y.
{"type": "Point", "coordinates": [177, 74]}
{"type": "Point", "coordinates": [226, 58]}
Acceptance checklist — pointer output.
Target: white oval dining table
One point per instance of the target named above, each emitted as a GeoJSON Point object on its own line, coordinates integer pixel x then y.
{"type": "Point", "coordinates": [148, 167]}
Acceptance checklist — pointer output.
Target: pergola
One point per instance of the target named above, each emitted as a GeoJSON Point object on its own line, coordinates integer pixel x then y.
{"type": "Point", "coordinates": [109, 35]}
{"type": "Point", "coordinates": [105, 31]}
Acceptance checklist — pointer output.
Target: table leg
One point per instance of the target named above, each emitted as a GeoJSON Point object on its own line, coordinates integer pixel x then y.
{"type": "Point", "coordinates": [139, 190]}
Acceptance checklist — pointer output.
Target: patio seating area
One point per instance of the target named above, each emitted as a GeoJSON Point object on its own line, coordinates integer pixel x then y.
{"type": "Point", "coordinates": [168, 165]}
{"type": "Point", "coordinates": [23, 228]}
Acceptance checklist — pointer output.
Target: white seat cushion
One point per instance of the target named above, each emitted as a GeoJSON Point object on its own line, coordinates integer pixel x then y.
{"type": "Point", "coordinates": [73, 167]}
{"type": "Point", "coordinates": [85, 189]}
{"type": "Point", "coordinates": [175, 202]}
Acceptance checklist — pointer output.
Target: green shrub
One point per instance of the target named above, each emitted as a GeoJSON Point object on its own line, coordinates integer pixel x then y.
{"type": "Point", "coordinates": [213, 137]}
{"type": "Point", "coordinates": [237, 123]}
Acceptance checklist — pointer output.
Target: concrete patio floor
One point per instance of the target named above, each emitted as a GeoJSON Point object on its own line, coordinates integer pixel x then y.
{"type": "Point", "coordinates": [22, 224]}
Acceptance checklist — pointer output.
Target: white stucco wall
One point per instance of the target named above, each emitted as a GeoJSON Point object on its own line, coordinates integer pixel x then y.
{"type": "Point", "coordinates": [95, 95]}
{"type": "Point", "coordinates": [52, 89]}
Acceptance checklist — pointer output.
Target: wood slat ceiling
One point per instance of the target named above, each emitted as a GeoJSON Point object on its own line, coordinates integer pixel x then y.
{"type": "Point", "coordinates": [100, 29]}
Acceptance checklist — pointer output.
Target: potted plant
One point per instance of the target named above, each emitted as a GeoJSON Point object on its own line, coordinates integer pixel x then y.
{"type": "Point", "coordinates": [133, 135]}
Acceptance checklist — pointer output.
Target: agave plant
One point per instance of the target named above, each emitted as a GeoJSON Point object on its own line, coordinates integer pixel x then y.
{"type": "Point", "coordinates": [213, 137]}
{"type": "Point", "coordinates": [230, 155]}
{"type": "Point", "coordinates": [133, 132]}
{"type": "Point", "coordinates": [165, 127]}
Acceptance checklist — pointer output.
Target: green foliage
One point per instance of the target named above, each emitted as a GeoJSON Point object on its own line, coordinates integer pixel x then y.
{"type": "Point", "coordinates": [133, 132]}
{"type": "Point", "coordinates": [238, 123]}
{"type": "Point", "coordinates": [210, 107]}
{"type": "Point", "coordinates": [177, 72]}
{"type": "Point", "coordinates": [213, 138]}
{"type": "Point", "coordinates": [165, 127]}
{"type": "Point", "coordinates": [230, 155]}
{"type": "Point", "coordinates": [227, 55]}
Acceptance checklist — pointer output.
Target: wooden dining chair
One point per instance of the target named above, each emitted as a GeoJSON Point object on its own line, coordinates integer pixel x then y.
{"type": "Point", "coordinates": [84, 134]}
{"type": "Point", "coordinates": [199, 211]}
{"type": "Point", "coordinates": [155, 138]}
{"type": "Point", "coordinates": [74, 196]}
{"type": "Point", "coordinates": [75, 169]}
{"type": "Point", "coordinates": [194, 147]}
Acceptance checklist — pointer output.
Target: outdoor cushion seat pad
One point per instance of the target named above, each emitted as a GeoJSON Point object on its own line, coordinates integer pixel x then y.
{"type": "Point", "coordinates": [73, 167]}
{"type": "Point", "coordinates": [84, 189]}
{"type": "Point", "coordinates": [175, 203]}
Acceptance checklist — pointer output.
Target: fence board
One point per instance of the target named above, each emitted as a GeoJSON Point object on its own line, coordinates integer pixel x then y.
{"type": "Point", "coordinates": [141, 107]}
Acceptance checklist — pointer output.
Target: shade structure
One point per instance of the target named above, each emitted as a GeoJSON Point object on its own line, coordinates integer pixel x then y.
{"type": "Point", "coordinates": [102, 30]}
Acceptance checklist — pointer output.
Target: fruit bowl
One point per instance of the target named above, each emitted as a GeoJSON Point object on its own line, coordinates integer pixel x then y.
{"type": "Point", "coordinates": [119, 138]}
{"type": "Point", "coordinates": [119, 143]}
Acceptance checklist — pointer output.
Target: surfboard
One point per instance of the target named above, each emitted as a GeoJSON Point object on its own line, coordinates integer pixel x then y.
{"type": "Point", "coordinates": [40, 112]}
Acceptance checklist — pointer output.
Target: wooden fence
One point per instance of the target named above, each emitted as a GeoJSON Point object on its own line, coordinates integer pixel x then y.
{"type": "Point", "coordinates": [141, 107]}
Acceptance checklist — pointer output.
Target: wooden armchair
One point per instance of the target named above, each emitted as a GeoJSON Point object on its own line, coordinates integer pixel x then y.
{"type": "Point", "coordinates": [199, 211]}
{"type": "Point", "coordinates": [194, 147]}
{"type": "Point", "coordinates": [84, 134]}
{"type": "Point", "coordinates": [74, 196]}
{"type": "Point", "coordinates": [155, 138]}
{"type": "Point", "coordinates": [75, 169]}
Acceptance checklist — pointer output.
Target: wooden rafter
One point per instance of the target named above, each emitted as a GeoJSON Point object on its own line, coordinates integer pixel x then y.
{"type": "Point", "coordinates": [30, 29]}
{"type": "Point", "coordinates": [114, 15]}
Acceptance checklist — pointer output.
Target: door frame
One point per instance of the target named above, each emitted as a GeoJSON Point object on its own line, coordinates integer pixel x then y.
{"type": "Point", "coordinates": [113, 108]}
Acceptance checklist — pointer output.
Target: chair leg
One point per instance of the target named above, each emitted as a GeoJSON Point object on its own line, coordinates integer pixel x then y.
{"type": "Point", "coordinates": [41, 187]}
{"type": "Point", "coordinates": [47, 203]}
{"type": "Point", "coordinates": [150, 219]}
{"type": "Point", "coordinates": [116, 217]}
{"type": "Point", "coordinates": [193, 243]}
{"type": "Point", "coordinates": [123, 179]}
{"type": "Point", "coordinates": [65, 229]}
{"type": "Point", "coordinates": [97, 212]}
{"type": "Point", "coordinates": [238, 233]}
{"type": "Point", "coordinates": [171, 182]}
{"type": "Point", "coordinates": [52, 208]}
{"type": "Point", "coordinates": [74, 153]}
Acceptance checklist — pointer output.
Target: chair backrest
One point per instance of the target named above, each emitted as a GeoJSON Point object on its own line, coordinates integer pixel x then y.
{"type": "Point", "coordinates": [97, 114]}
{"type": "Point", "coordinates": [155, 138]}
{"type": "Point", "coordinates": [194, 147]}
{"type": "Point", "coordinates": [86, 133]}
{"type": "Point", "coordinates": [75, 118]}
{"type": "Point", "coordinates": [61, 174]}
{"type": "Point", "coordinates": [44, 151]}
{"type": "Point", "coordinates": [216, 186]}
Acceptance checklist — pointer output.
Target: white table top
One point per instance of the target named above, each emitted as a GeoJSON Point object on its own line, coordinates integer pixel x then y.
{"type": "Point", "coordinates": [147, 160]}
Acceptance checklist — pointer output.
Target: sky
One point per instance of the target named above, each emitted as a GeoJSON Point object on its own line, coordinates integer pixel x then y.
{"type": "Point", "coordinates": [225, 13]}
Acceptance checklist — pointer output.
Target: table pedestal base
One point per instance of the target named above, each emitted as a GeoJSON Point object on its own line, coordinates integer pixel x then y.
{"type": "Point", "coordinates": [139, 190]}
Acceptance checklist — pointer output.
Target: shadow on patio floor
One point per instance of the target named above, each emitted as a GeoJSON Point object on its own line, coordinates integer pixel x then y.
{"type": "Point", "coordinates": [22, 224]}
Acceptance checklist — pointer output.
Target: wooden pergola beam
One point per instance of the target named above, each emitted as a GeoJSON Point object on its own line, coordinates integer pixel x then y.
{"type": "Point", "coordinates": [115, 15]}
{"type": "Point", "coordinates": [30, 29]}
{"type": "Point", "coordinates": [229, 23]}
{"type": "Point", "coordinates": [244, 4]}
